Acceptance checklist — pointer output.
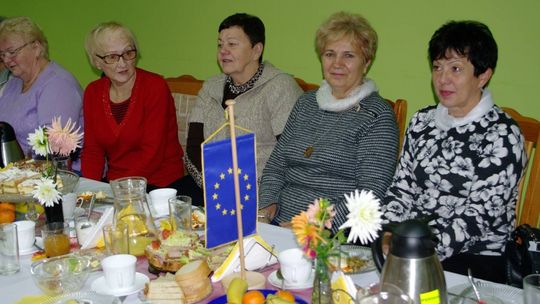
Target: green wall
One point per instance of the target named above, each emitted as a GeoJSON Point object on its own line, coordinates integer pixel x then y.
{"type": "Point", "coordinates": [179, 37]}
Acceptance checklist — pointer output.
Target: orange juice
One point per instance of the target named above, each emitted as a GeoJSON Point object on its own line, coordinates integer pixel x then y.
{"type": "Point", "coordinates": [56, 244]}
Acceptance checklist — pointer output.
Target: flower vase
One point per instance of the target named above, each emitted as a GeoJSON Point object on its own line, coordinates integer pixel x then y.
{"type": "Point", "coordinates": [61, 163]}
{"type": "Point", "coordinates": [322, 291]}
{"type": "Point", "coordinates": [54, 213]}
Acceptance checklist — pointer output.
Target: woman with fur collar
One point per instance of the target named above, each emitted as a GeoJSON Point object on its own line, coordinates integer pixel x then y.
{"type": "Point", "coordinates": [337, 139]}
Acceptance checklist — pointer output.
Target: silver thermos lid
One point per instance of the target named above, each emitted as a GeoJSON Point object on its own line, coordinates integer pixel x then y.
{"type": "Point", "coordinates": [10, 150]}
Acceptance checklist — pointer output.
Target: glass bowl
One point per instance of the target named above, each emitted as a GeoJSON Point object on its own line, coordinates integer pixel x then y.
{"type": "Point", "coordinates": [62, 274]}
{"type": "Point", "coordinates": [70, 180]}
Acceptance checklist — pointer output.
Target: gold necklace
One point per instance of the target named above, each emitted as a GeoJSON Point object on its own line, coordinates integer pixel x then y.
{"type": "Point", "coordinates": [311, 148]}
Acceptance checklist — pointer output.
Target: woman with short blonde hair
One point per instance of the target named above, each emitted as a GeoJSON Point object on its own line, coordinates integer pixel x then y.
{"type": "Point", "coordinates": [129, 114]}
{"type": "Point", "coordinates": [337, 139]}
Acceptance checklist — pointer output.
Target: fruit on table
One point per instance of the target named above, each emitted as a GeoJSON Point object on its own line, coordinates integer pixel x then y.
{"type": "Point", "coordinates": [7, 213]}
{"type": "Point", "coordinates": [275, 299]}
{"type": "Point", "coordinates": [236, 291]}
{"type": "Point", "coordinates": [285, 295]}
{"type": "Point", "coordinates": [253, 297]}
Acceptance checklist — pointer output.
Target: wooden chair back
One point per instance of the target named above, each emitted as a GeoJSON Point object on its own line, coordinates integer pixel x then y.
{"type": "Point", "coordinates": [184, 90]}
{"type": "Point", "coordinates": [305, 85]}
{"type": "Point", "coordinates": [527, 209]}
{"type": "Point", "coordinates": [400, 109]}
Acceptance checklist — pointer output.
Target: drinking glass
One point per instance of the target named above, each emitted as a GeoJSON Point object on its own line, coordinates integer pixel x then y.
{"type": "Point", "coordinates": [116, 238]}
{"type": "Point", "coordinates": [385, 297]}
{"type": "Point", "coordinates": [56, 239]}
{"type": "Point", "coordinates": [9, 249]}
{"type": "Point", "coordinates": [382, 294]}
{"type": "Point", "coordinates": [31, 213]}
{"type": "Point", "coordinates": [531, 289]}
{"type": "Point", "coordinates": [180, 213]}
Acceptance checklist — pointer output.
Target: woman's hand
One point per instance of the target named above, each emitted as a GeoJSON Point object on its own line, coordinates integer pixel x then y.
{"type": "Point", "coordinates": [387, 236]}
{"type": "Point", "coordinates": [267, 214]}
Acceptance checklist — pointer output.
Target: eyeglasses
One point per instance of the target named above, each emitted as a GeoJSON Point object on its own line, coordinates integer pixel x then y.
{"type": "Point", "coordinates": [114, 58]}
{"type": "Point", "coordinates": [15, 52]}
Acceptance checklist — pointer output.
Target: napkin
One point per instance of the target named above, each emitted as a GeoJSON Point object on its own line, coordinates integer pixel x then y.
{"type": "Point", "coordinates": [258, 254]}
{"type": "Point", "coordinates": [95, 234]}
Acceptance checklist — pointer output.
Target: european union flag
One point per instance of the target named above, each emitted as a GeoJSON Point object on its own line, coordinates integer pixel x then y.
{"type": "Point", "coordinates": [220, 201]}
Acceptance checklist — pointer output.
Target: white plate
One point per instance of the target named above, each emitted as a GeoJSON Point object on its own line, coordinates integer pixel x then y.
{"type": "Point", "coordinates": [33, 249]}
{"type": "Point", "coordinates": [507, 294]}
{"type": "Point", "coordinates": [100, 286]}
{"type": "Point", "coordinates": [277, 282]}
{"type": "Point", "coordinates": [83, 297]}
{"type": "Point", "coordinates": [361, 252]}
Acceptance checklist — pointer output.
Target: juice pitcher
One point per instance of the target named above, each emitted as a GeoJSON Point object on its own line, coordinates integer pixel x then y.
{"type": "Point", "coordinates": [131, 207]}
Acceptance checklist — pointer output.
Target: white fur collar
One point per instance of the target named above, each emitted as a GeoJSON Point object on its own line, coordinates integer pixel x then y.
{"type": "Point", "coordinates": [328, 102]}
{"type": "Point", "coordinates": [445, 121]}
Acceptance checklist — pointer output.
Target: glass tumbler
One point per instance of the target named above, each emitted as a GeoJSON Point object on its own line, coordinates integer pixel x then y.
{"type": "Point", "coordinates": [116, 238]}
{"type": "Point", "coordinates": [56, 238]}
{"type": "Point", "coordinates": [180, 213]}
{"type": "Point", "coordinates": [9, 249]}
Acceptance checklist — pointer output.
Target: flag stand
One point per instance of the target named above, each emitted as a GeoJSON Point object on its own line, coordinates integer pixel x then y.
{"type": "Point", "coordinates": [230, 106]}
{"type": "Point", "coordinates": [254, 280]}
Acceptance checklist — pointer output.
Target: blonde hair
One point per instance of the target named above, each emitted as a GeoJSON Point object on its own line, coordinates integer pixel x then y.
{"type": "Point", "coordinates": [27, 30]}
{"type": "Point", "coordinates": [347, 25]}
{"type": "Point", "coordinates": [94, 40]}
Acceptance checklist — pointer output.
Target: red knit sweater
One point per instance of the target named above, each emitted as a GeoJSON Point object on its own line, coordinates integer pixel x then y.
{"type": "Point", "coordinates": [145, 143]}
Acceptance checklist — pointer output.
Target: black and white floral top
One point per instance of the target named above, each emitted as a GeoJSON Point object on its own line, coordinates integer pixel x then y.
{"type": "Point", "coordinates": [466, 172]}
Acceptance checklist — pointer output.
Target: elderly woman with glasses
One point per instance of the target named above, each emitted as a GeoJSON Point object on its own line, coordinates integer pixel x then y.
{"type": "Point", "coordinates": [129, 115]}
{"type": "Point", "coordinates": [38, 89]}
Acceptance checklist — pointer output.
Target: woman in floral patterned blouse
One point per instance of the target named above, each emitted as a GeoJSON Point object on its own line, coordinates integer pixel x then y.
{"type": "Point", "coordinates": [462, 159]}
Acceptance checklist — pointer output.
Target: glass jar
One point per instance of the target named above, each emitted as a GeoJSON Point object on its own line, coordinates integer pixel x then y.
{"type": "Point", "coordinates": [131, 208]}
{"type": "Point", "coordinates": [322, 291]}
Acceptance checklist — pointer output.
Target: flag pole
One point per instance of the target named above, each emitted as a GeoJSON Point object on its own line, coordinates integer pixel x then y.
{"type": "Point", "coordinates": [230, 106]}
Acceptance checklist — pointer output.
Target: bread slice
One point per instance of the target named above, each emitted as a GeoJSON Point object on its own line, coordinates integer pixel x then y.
{"type": "Point", "coordinates": [164, 290]}
{"type": "Point", "coordinates": [194, 281]}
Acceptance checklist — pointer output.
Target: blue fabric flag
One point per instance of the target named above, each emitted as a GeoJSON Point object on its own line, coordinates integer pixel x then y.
{"type": "Point", "coordinates": [220, 201]}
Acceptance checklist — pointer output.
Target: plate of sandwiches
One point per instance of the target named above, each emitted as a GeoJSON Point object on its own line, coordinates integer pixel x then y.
{"type": "Point", "coordinates": [17, 180]}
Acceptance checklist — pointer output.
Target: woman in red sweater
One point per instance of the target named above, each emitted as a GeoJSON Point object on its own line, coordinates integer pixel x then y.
{"type": "Point", "coordinates": [130, 124]}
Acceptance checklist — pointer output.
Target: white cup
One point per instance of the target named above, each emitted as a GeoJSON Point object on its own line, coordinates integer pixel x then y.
{"type": "Point", "coordinates": [69, 201]}
{"type": "Point", "coordinates": [295, 267]}
{"type": "Point", "coordinates": [27, 234]}
{"type": "Point", "coordinates": [119, 271]}
{"type": "Point", "coordinates": [160, 200]}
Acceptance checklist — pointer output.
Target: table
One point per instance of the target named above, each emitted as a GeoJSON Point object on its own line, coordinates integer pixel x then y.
{"type": "Point", "coordinates": [14, 287]}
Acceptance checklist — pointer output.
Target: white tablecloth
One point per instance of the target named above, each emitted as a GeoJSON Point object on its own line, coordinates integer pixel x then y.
{"type": "Point", "coordinates": [14, 287]}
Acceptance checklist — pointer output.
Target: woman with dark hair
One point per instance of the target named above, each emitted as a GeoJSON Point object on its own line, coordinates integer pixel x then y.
{"type": "Point", "coordinates": [462, 159]}
{"type": "Point", "coordinates": [264, 95]}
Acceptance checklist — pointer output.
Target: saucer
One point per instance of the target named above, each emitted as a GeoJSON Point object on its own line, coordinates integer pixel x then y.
{"type": "Point", "coordinates": [276, 282]}
{"type": "Point", "coordinates": [100, 286]}
{"type": "Point", "coordinates": [33, 249]}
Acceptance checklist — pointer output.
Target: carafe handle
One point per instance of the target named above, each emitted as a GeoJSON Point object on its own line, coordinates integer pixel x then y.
{"type": "Point", "coordinates": [376, 251]}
